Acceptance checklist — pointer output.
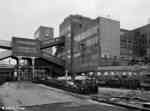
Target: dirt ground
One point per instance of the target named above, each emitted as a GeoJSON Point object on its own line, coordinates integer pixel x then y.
{"type": "Point", "coordinates": [29, 96]}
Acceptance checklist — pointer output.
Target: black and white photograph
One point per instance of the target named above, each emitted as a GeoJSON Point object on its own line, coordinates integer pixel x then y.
{"type": "Point", "coordinates": [74, 55]}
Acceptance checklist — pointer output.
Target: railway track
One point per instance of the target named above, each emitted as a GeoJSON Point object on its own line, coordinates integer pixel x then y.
{"type": "Point", "coordinates": [120, 103]}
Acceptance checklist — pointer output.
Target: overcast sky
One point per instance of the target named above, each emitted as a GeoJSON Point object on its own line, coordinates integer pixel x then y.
{"type": "Point", "coordinates": [22, 17]}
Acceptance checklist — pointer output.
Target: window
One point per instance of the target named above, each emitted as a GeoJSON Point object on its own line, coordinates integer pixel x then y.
{"type": "Point", "coordinates": [106, 74]}
{"type": "Point", "coordinates": [112, 73]}
{"type": "Point", "coordinates": [80, 25]}
{"type": "Point", "coordinates": [91, 73]}
{"type": "Point", "coordinates": [99, 73]}
{"type": "Point", "coordinates": [130, 73]}
{"type": "Point", "coordinates": [124, 73]}
{"type": "Point", "coordinates": [137, 33]}
{"type": "Point", "coordinates": [83, 74]}
{"type": "Point", "coordinates": [69, 35]}
{"type": "Point", "coordinates": [91, 41]}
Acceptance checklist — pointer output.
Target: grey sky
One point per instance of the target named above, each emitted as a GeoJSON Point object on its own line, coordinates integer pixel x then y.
{"type": "Point", "coordinates": [22, 17]}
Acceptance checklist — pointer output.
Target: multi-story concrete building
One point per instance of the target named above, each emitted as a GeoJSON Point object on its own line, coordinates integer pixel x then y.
{"type": "Point", "coordinates": [127, 44]}
{"type": "Point", "coordinates": [142, 40]}
{"type": "Point", "coordinates": [89, 40]}
{"type": "Point", "coordinates": [94, 42]}
{"type": "Point", "coordinates": [71, 26]}
{"type": "Point", "coordinates": [44, 33]}
{"type": "Point", "coordinates": [135, 43]}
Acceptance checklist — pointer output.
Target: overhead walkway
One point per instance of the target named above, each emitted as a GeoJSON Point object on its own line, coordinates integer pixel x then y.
{"type": "Point", "coordinates": [5, 44]}
{"type": "Point", "coordinates": [52, 59]}
{"type": "Point", "coordinates": [56, 62]}
{"type": "Point", "coordinates": [52, 42]}
{"type": "Point", "coordinates": [44, 55]}
{"type": "Point", "coordinates": [5, 54]}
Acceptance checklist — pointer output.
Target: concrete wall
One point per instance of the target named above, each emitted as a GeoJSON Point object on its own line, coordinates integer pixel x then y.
{"type": "Point", "coordinates": [126, 44]}
{"type": "Point", "coordinates": [43, 34]}
{"type": "Point", "coordinates": [109, 37]}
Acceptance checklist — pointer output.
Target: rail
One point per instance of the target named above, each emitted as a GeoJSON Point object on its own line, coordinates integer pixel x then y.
{"type": "Point", "coordinates": [120, 104]}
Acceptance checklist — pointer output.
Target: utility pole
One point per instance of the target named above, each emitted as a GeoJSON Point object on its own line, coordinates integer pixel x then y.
{"type": "Point", "coordinates": [19, 67]}
{"type": "Point", "coordinates": [72, 51]}
{"type": "Point", "coordinates": [33, 67]}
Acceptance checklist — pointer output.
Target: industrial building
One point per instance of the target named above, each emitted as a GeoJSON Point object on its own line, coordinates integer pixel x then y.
{"type": "Point", "coordinates": [142, 39]}
{"type": "Point", "coordinates": [44, 33]}
{"type": "Point", "coordinates": [135, 43]}
{"type": "Point", "coordinates": [95, 47]}
{"type": "Point", "coordinates": [89, 42]}
{"type": "Point", "coordinates": [126, 44]}
{"type": "Point", "coordinates": [85, 44]}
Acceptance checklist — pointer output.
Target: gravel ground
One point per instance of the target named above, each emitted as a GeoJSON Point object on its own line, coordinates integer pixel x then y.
{"type": "Point", "coordinates": [29, 96]}
{"type": "Point", "coordinates": [124, 92]}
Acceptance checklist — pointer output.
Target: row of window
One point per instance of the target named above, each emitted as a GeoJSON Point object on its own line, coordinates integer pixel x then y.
{"type": "Point", "coordinates": [91, 41]}
{"type": "Point", "coordinates": [65, 30]}
{"type": "Point", "coordinates": [122, 45]}
{"type": "Point", "coordinates": [86, 34]}
{"type": "Point", "coordinates": [87, 44]}
{"type": "Point", "coordinates": [113, 73]}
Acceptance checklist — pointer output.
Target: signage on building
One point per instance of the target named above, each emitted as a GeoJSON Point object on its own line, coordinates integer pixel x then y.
{"type": "Point", "coordinates": [25, 47]}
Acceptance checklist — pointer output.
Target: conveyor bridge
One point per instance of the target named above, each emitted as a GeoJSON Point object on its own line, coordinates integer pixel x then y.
{"type": "Point", "coordinates": [43, 45]}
